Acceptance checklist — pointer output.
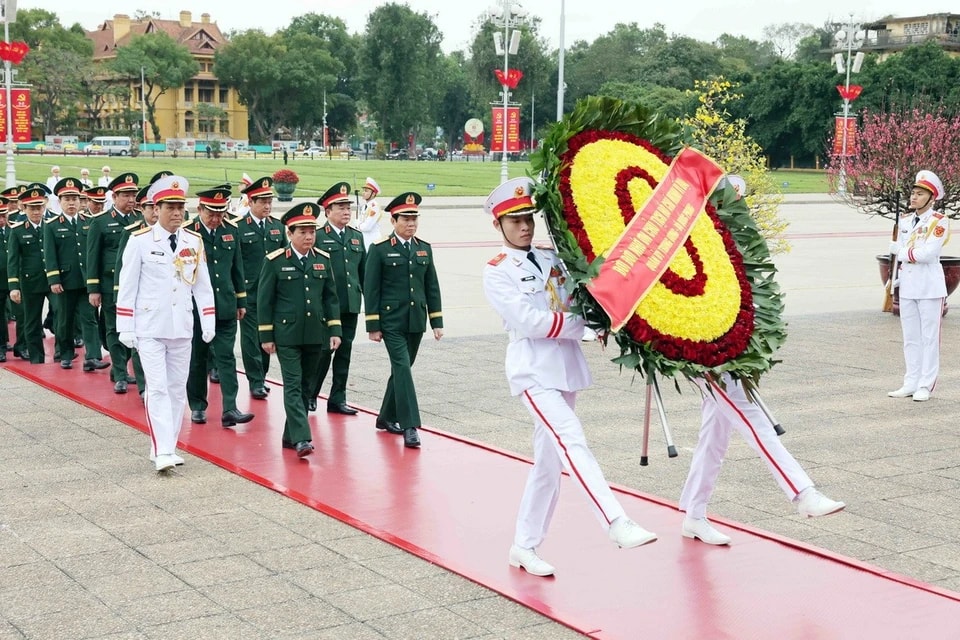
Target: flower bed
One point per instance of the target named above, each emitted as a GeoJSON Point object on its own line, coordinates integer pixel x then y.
{"type": "Point", "coordinates": [285, 175]}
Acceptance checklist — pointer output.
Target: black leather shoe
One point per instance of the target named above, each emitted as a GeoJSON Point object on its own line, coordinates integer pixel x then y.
{"type": "Point", "coordinates": [287, 445]}
{"type": "Point", "coordinates": [120, 386]}
{"type": "Point", "coordinates": [260, 393]}
{"type": "Point", "coordinates": [411, 438]}
{"type": "Point", "coordinates": [95, 364]}
{"type": "Point", "coordinates": [7, 347]}
{"type": "Point", "coordinates": [198, 417]}
{"type": "Point", "coordinates": [312, 404]}
{"type": "Point", "coordinates": [131, 379]}
{"type": "Point", "coordinates": [235, 416]}
{"type": "Point", "coordinates": [66, 364]}
{"type": "Point", "coordinates": [3, 356]}
{"type": "Point", "coordinates": [214, 376]}
{"type": "Point", "coordinates": [341, 408]}
{"type": "Point", "coordinates": [21, 353]}
{"type": "Point", "coordinates": [303, 449]}
{"type": "Point", "coordinates": [389, 427]}
{"type": "Point", "coordinates": [78, 342]}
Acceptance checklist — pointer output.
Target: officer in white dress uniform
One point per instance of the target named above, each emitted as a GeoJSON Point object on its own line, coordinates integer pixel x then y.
{"type": "Point", "coordinates": [546, 367]}
{"type": "Point", "coordinates": [163, 271]}
{"type": "Point", "coordinates": [370, 214]}
{"type": "Point", "coordinates": [922, 288]}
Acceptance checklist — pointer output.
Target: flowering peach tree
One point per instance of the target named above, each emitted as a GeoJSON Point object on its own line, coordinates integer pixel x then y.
{"type": "Point", "coordinates": [891, 148]}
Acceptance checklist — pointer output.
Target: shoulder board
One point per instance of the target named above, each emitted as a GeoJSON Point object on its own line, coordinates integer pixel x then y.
{"type": "Point", "coordinates": [232, 223]}
{"type": "Point", "coordinates": [191, 231]}
{"type": "Point", "coordinates": [276, 253]}
{"type": "Point", "coordinates": [138, 232]}
{"type": "Point", "coordinates": [186, 223]}
{"type": "Point", "coordinates": [421, 240]}
{"type": "Point", "coordinates": [549, 248]}
{"type": "Point", "coordinates": [320, 252]}
{"type": "Point", "coordinates": [17, 224]}
{"type": "Point", "coordinates": [382, 240]}
{"type": "Point", "coordinates": [938, 215]}
{"type": "Point", "coordinates": [133, 226]}
{"type": "Point", "coordinates": [497, 259]}
{"type": "Point", "coordinates": [97, 215]}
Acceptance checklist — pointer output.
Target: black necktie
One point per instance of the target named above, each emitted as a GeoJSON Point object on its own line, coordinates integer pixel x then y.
{"type": "Point", "coordinates": [303, 262]}
{"type": "Point", "coordinates": [916, 219]}
{"type": "Point", "coordinates": [173, 242]}
{"type": "Point", "coordinates": [532, 258]}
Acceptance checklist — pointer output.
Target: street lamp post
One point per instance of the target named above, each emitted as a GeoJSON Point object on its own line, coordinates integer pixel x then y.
{"type": "Point", "coordinates": [850, 40]}
{"type": "Point", "coordinates": [9, 15]}
{"type": "Point", "coordinates": [508, 15]}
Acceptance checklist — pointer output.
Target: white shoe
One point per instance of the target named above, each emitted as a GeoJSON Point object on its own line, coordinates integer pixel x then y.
{"type": "Point", "coordinates": [700, 528]}
{"type": "Point", "coordinates": [589, 335]}
{"type": "Point", "coordinates": [627, 533]}
{"type": "Point", "coordinates": [164, 462]}
{"type": "Point", "coordinates": [177, 460]}
{"type": "Point", "coordinates": [922, 395]}
{"type": "Point", "coordinates": [902, 392]}
{"type": "Point", "coordinates": [529, 561]}
{"type": "Point", "coordinates": [811, 503]}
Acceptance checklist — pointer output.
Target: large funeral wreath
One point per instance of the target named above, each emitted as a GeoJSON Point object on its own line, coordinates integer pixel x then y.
{"type": "Point", "coordinates": [717, 306]}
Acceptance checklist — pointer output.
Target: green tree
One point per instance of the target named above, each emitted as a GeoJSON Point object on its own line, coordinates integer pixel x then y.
{"type": "Point", "coordinates": [456, 104]}
{"type": "Point", "coordinates": [786, 37]}
{"type": "Point", "coordinates": [399, 64]}
{"type": "Point", "coordinates": [921, 75]}
{"type": "Point", "coordinates": [667, 101]}
{"type": "Point", "coordinates": [165, 65]}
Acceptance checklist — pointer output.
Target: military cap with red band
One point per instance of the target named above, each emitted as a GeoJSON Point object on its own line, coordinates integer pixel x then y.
{"type": "Point", "coordinates": [339, 192]}
{"type": "Point", "coordinates": [260, 188]}
{"type": "Point", "coordinates": [68, 187]}
{"type": "Point", "coordinates": [215, 199]}
{"type": "Point", "coordinates": [301, 215]}
{"type": "Point", "coordinates": [124, 182]}
{"type": "Point", "coordinates": [405, 204]}
{"type": "Point", "coordinates": [512, 198]}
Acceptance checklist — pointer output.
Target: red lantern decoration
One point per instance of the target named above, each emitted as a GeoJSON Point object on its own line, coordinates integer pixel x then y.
{"type": "Point", "coordinates": [13, 51]}
{"type": "Point", "coordinates": [511, 79]}
{"type": "Point", "coordinates": [850, 94]}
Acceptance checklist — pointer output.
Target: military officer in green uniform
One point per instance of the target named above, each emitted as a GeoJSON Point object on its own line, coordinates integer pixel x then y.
{"type": "Point", "coordinates": [64, 248]}
{"type": "Point", "coordinates": [26, 275]}
{"type": "Point", "coordinates": [401, 293]}
{"type": "Point", "coordinates": [4, 286]}
{"type": "Point", "coordinates": [259, 234]}
{"type": "Point", "coordinates": [14, 211]}
{"type": "Point", "coordinates": [220, 242]}
{"type": "Point", "coordinates": [103, 241]}
{"type": "Point", "coordinates": [299, 317]}
{"type": "Point", "coordinates": [348, 256]}
{"type": "Point", "coordinates": [15, 310]}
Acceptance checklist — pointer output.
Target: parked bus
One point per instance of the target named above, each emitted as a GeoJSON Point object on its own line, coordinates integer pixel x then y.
{"type": "Point", "coordinates": [111, 145]}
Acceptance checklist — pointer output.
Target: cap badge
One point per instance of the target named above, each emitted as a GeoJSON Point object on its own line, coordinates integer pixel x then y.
{"type": "Point", "coordinates": [519, 191]}
{"type": "Point", "coordinates": [219, 196]}
{"type": "Point", "coordinates": [175, 184]}
{"type": "Point", "coordinates": [343, 189]}
{"type": "Point", "coordinates": [308, 210]}
{"type": "Point", "coordinates": [70, 183]}
{"type": "Point", "coordinates": [411, 199]}
{"type": "Point", "coordinates": [128, 179]}
{"type": "Point", "coordinates": [266, 183]}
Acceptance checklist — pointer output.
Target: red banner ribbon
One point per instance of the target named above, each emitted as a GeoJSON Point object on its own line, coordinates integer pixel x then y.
{"type": "Point", "coordinates": [648, 244]}
{"type": "Point", "coordinates": [851, 93]}
{"type": "Point", "coordinates": [511, 79]}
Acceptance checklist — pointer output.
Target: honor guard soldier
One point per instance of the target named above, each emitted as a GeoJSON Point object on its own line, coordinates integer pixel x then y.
{"type": "Point", "coordinates": [103, 242]}
{"type": "Point", "coordinates": [64, 248]}
{"type": "Point", "coordinates": [299, 317]}
{"type": "Point", "coordinates": [923, 288]}
{"type": "Point", "coordinates": [4, 285]}
{"type": "Point", "coordinates": [260, 234]}
{"type": "Point", "coordinates": [25, 271]}
{"type": "Point", "coordinates": [401, 294]}
{"type": "Point", "coordinates": [163, 274]}
{"type": "Point", "coordinates": [224, 264]}
{"type": "Point", "coordinates": [545, 367]}
{"type": "Point", "coordinates": [370, 214]}
{"type": "Point", "coordinates": [345, 246]}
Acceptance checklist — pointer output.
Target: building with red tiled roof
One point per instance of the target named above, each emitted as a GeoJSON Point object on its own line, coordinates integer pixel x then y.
{"type": "Point", "coordinates": [176, 111]}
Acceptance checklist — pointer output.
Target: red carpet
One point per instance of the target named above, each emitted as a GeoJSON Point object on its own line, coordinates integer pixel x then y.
{"type": "Point", "coordinates": [453, 503]}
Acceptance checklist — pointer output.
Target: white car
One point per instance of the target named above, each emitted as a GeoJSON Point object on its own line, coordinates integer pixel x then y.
{"type": "Point", "coordinates": [314, 151]}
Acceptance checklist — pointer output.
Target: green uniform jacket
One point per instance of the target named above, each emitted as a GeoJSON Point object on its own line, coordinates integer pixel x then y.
{"type": "Point", "coordinates": [400, 288]}
{"type": "Point", "coordinates": [254, 247]}
{"type": "Point", "coordinates": [297, 304]}
{"type": "Point", "coordinates": [225, 266]}
{"type": "Point", "coordinates": [4, 241]}
{"type": "Point", "coordinates": [64, 247]}
{"type": "Point", "coordinates": [103, 242]}
{"type": "Point", "coordinates": [348, 257]}
{"type": "Point", "coordinates": [25, 259]}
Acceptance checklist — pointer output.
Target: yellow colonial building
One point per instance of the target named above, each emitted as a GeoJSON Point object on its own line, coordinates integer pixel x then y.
{"type": "Point", "coordinates": [178, 112]}
{"type": "Point", "coordinates": [891, 35]}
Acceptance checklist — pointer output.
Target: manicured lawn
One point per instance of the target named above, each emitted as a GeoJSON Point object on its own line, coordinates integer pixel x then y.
{"type": "Point", "coordinates": [801, 180]}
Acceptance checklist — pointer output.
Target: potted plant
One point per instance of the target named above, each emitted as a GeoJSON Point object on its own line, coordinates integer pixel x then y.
{"type": "Point", "coordinates": [285, 181]}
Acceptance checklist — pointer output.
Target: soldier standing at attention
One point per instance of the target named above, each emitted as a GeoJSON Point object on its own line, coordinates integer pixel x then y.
{"type": "Point", "coordinates": [401, 293]}
{"type": "Point", "coordinates": [370, 214]}
{"type": "Point", "coordinates": [230, 299]}
{"type": "Point", "coordinates": [103, 242]}
{"type": "Point", "coordinates": [163, 274]}
{"type": "Point", "coordinates": [25, 272]}
{"type": "Point", "coordinates": [4, 285]}
{"type": "Point", "coordinates": [299, 317]}
{"type": "Point", "coordinates": [344, 244]}
{"type": "Point", "coordinates": [260, 234]}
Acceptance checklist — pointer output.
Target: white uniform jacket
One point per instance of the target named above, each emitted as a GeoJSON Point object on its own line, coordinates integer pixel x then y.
{"type": "Point", "coordinates": [369, 222]}
{"type": "Point", "coordinates": [544, 347]}
{"type": "Point", "coordinates": [157, 285]}
{"type": "Point", "coordinates": [921, 275]}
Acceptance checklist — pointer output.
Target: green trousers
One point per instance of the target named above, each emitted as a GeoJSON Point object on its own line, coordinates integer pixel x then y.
{"type": "Point", "coordinates": [256, 361]}
{"type": "Point", "coordinates": [341, 362]}
{"type": "Point", "coordinates": [400, 399]}
{"type": "Point", "coordinates": [223, 359]}
{"type": "Point", "coordinates": [298, 367]}
{"type": "Point", "coordinates": [33, 324]}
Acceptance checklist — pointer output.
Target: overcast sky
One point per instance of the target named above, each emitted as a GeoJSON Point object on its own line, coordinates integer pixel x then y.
{"type": "Point", "coordinates": [585, 19]}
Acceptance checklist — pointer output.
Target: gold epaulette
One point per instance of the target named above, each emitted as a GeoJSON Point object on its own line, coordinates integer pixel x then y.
{"type": "Point", "coordinates": [273, 255]}
{"type": "Point", "coordinates": [193, 232]}
{"type": "Point", "coordinates": [139, 232]}
{"type": "Point", "coordinates": [229, 221]}
{"type": "Point", "coordinates": [17, 224]}
{"type": "Point", "coordinates": [132, 226]}
{"type": "Point", "coordinates": [321, 252]}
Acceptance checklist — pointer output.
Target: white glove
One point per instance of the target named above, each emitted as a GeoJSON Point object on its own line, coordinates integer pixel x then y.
{"type": "Point", "coordinates": [894, 247]}
{"type": "Point", "coordinates": [207, 336]}
{"type": "Point", "coordinates": [128, 339]}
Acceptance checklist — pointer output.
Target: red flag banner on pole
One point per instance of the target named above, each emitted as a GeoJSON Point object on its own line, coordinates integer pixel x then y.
{"type": "Point", "coordinates": [849, 93]}
{"type": "Point", "coordinates": [512, 129]}
{"type": "Point", "coordinates": [22, 129]}
{"type": "Point", "coordinates": [850, 125]}
{"type": "Point", "coordinates": [655, 234]}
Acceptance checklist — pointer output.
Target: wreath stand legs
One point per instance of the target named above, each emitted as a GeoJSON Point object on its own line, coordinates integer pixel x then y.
{"type": "Point", "coordinates": [653, 392]}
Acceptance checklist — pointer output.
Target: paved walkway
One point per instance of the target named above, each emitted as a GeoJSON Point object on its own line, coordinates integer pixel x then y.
{"type": "Point", "coordinates": [93, 544]}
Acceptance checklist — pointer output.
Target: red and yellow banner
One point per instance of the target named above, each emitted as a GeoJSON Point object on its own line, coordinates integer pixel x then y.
{"type": "Point", "coordinates": [654, 235]}
{"type": "Point", "coordinates": [22, 129]}
{"type": "Point", "coordinates": [850, 124]}
{"type": "Point", "coordinates": [513, 129]}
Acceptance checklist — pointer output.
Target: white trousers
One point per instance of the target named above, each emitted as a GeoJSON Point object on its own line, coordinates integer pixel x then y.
{"type": "Point", "coordinates": [558, 444]}
{"type": "Point", "coordinates": [722, 411]}
{"type": "Point", "coordinates": [920, 321]}
{"type": "Point", "coordinates": [166, 364]}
